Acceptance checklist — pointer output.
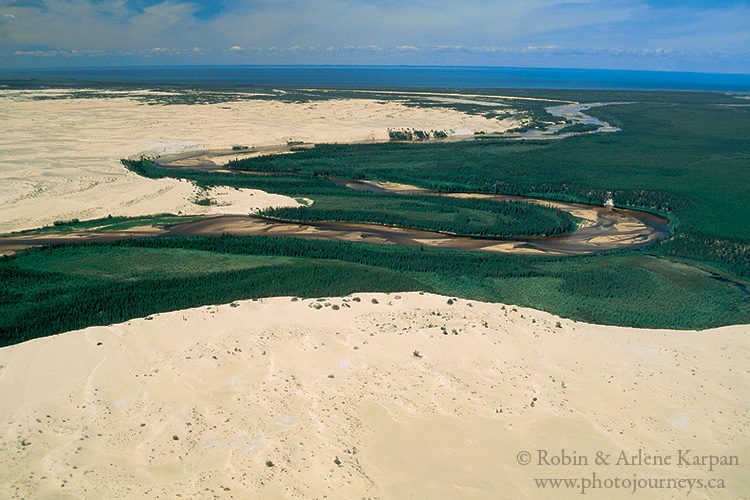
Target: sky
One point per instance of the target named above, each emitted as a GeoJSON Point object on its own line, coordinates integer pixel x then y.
{"type": "Point", "coordinates": [664, 35]}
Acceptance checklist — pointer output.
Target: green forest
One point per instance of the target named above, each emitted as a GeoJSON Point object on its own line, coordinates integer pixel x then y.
{"type": "Point", "coordinates": [463, 217]}
{"type": "Point", "coordinates": [56, 289]}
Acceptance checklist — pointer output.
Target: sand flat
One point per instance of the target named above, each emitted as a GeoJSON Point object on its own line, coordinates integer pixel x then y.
{"type": "Point", "coordinates": [197, 401]}
{"type": "Point", "coordinates": [61, 156]}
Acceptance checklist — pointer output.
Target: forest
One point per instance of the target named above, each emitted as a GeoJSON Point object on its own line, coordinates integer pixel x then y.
{"type": "Point", "coordinates": [462, 217]}
{"type": "Point", "coordinates": [56, 289]}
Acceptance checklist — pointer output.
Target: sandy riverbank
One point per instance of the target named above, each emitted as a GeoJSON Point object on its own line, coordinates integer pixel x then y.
{"type": "Point", "coordinates": [198, 401]}
{"type": "Point", "coordinates": [60, 157]}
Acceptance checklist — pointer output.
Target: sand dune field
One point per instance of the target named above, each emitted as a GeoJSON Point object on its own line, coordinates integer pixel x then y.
{"type": "Point", "coordinates": [60, 157]}
{"type": "Point", "coordinates": [370, 396]}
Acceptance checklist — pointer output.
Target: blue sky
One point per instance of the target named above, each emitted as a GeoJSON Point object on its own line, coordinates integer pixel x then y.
{"type": "Point", "coordinates": [687, 35]}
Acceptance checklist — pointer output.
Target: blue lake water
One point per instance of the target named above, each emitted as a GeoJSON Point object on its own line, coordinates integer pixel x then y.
{"type": "Point", "coordinates": [386, 76]}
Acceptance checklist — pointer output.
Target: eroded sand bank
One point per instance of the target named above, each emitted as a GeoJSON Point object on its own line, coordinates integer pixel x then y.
{"type": "Point", "coordinates": [60, 157]}
{"type": "Point", "coordinates": [197, 402]}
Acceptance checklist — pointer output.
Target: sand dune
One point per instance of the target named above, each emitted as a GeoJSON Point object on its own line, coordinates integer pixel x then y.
{"type": "Point", "coordinates": [60, 158]}
{"type": "Point", "coordinates": [278, 398]}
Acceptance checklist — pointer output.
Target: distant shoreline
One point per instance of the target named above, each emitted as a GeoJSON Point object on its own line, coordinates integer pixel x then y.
{"type": "Point", "coordinates": [382, 77]}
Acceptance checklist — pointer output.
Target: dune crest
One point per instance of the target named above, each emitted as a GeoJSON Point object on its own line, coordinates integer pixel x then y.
{"type": "Point", "coordinates": [378, 395]}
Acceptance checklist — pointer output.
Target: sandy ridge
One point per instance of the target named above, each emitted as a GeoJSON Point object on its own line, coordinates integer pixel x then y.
{"type": "Point", "coordinates": [197, 401]}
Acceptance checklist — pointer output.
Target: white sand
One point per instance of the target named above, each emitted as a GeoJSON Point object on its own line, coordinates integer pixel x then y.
{"type": "Point", "coordinates": [92, 413]}
{"type": "Point", "coordinates": [60, 158]}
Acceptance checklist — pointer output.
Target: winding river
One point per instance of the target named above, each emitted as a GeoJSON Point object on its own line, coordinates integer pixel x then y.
{"type": "Point", "coordinates": [603, 228]}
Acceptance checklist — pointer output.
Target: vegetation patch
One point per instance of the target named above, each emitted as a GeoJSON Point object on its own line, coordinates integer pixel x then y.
{"type": "Point", "coordinates": [111, 223]}
{"type": "Point", "coordinates": [577, 128]}
{"type": "Point", "coordinates": [464, 217]}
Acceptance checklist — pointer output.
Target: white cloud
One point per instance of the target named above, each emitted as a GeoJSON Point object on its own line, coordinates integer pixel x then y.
{"type": "Point", "coordinates": [363, 31]}
{"type": "Point", "coordinates": [533, 48]}
{"type": "Point", "coordinates": [56, 53]}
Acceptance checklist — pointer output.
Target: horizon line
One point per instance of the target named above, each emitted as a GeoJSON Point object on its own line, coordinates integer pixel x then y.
{"type": "Point", "coordinates": [410, 66]}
